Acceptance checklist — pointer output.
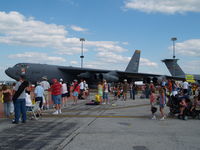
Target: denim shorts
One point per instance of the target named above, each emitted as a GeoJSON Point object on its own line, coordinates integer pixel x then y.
{"type": "Point", "coordinates": [75, 94]}
{"type": "Point", "coordinates": [162, 105]}
{"type": "Point", "coordinates": [105, 95]}
{"type": "Point", "coordinates": [56, 99]}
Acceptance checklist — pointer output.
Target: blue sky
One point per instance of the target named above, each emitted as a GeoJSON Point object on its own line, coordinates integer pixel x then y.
{"type": "Point", "coordinates": [48, 31]}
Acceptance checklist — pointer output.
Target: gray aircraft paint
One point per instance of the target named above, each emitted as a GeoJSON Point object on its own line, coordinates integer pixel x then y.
{"type": "Point", "coordinates": [175, 70]}
{"type": "Point", "coordinates": [133, 65]}
{"type": "Point", "coordinates": [35, 72]}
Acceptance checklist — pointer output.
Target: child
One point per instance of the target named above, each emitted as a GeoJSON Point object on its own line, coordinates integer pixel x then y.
{"type": "Point", "coordinates": [153, 103]}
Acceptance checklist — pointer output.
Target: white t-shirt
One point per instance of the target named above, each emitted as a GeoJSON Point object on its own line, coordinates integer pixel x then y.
{"type": "Point", "coordinates": [185, 85]}
{"type": "Point", "coordinates": [45, 85]}
{"type": "Point", "coordinates": [64, 88]}
{"type": "Point", "coordinates": [81, 86]}
{"type": "Point", "coordinates": [28, 100]}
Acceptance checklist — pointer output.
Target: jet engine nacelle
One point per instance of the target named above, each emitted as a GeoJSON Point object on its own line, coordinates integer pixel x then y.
{"type": "Point", "coordinates": [107, 76]}
{"type": "Point", "coordinates": [84, 75]}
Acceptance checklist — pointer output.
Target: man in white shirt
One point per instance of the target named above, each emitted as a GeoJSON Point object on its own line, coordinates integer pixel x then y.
{"type": "Point", "coordinates": [45, 84]}
{"type": "Point", "coordinates": [81, 89]}
{"type": "Point", "coordinates": [185, 87]}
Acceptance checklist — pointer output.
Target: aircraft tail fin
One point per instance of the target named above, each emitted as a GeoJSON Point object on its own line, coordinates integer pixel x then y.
{"type": "Point", "coordinates": [133, 65]}
{"type": "Point", "coordinates": [173, 67]}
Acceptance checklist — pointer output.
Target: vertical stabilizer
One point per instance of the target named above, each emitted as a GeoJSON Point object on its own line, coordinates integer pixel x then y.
{"type": "Point", "coordinates": [133, 65]}
{"type": "Point", "coordinates": [173, 67]}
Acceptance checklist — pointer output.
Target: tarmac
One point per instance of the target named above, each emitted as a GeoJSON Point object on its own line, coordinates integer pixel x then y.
{"type": "Point", "coordinates": [121, 125]}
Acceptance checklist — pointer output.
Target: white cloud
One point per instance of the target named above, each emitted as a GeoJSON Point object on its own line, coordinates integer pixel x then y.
{"type": "Point", "coordinates": [192, 67]}
{"type": "Point", "coordinates": [79, 29]}
{"type": "Point", "coordinates": [37, 58]}
{"type": "Point", "coordinates": [146, 62]}
{"type": "Point", "coordinates": [188, 48]}
{"type": "Point", "coordinates": [17, 29]}
{"type": "Point", "coordinates": [111, 57]}
{"type": "Point", "coordinates": [164, 6]}
{"type": "Point", "coordinates": [73, 62]}
{"type": "Point", "coordinates": [106, 46]}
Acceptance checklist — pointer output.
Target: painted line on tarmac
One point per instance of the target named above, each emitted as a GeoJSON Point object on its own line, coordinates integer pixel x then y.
{"type": "Point", "coordinates": [91, 116]}
{"type": "Point", "coordinates": [113, 107]}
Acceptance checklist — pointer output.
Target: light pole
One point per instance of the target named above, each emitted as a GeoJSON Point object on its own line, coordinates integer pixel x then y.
{"type": "Point", "coordinates": [174, 68]}
{"type": "Point", "coordinates": [82, 39]}
{"type": "Point", "coordinates": [173, 40]}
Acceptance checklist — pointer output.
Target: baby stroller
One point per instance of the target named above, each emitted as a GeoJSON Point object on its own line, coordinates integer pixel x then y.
{"type": "Point", "coordinates": [173, 104]}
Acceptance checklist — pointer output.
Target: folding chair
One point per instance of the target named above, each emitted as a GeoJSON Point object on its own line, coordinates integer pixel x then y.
{"type": "Point", "coordinates": [34, 110]}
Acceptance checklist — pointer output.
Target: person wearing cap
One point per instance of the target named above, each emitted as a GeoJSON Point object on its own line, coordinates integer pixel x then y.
{"type": "Point", "coordinates": [56, 89]}
{"type": "Point", "coordinates": [45, 84]}
{"type": "Point", "coordinates": [39, 93]}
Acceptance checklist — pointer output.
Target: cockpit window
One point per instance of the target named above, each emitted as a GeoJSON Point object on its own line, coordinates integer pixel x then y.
{"type": "Point", "coordinates": [21, 66]}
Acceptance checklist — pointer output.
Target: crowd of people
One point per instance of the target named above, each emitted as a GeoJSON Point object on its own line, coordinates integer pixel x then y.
{"type": "Point", "coordinates": [182, 98]}
{"type": "Point", "coordinates": [21, 96]}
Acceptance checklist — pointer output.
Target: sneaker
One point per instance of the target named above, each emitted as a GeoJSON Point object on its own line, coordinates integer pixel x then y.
{"type": "Point", "coordinates": [14, 122]}
{"type": "Point", "coordinates": [162, 118]}
{"type": "Point", "coordinates": [153, 118]}
{"type": "Point", "coordinates": [55, 113]}
{"type": "Point", "coordinates": [59, 111]}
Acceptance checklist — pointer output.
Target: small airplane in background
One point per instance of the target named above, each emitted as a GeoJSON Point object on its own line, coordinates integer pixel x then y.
{"type": "Point", "coordinates": [176, 71]}
{"type": "Point", "coordinates": [34, 72]}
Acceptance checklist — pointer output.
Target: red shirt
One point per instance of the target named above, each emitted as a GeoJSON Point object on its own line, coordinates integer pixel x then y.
{"type": "Point", "coordinates": [56, 89]}
{"type": "Point", "coordinates": [76, 87]}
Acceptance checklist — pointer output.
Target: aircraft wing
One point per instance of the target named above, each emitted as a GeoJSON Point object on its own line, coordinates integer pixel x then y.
{"type": "Point", "coordinates": [114, 76]}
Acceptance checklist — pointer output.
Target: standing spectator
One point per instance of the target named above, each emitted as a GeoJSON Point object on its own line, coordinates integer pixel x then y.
{"type": "Point", "coordinates": [82, 88]}
{"type": "Point", "coordinates": [39, 93]}
{"type": "Point", "coordinates": [162, 100]}
{"type": "Point", "coordinates": [7, 93]}
{"type": "Point", "coordinates": [125, 89]}
{"type": "Point", "coordinates": [153, 104]}
{"type": "Point", "coordinates": [19, 99]}
{"type": "Point", "coordinates": [169, 87]}
{"type": "Point", "coordinates": [174, 88]}
{"type": "Point", "coordinates": [29, 103]}
{"type": "Point", "coordinates": [100, 91]}
{"type": "Point", "coordinates": [56, 88]}
{"type": "Point", "coordinates": [86, 89]}
{"type": "Point", "coordinates": [45, 84]}
{"type": "Point", "coordinates": [105, 92]}
{"type": "Point", "coordinates": [185, 87]}
{"type": "Point", "coordinates": [75, 91]}
{"type": "Point", "coordinates": [147, 90]}
{"type": "Point", "coordinates": [64, 93]}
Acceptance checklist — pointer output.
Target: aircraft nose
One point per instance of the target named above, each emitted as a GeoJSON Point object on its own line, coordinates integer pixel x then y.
{"type": "Point", "coordinates": [9, 72]}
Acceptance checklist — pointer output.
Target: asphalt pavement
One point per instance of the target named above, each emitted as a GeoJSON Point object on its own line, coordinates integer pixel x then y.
{"type": "Point", "coordinates": [121, 125]}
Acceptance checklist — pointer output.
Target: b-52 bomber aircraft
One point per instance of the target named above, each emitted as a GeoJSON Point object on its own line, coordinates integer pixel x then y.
{"type": "Point", "coordinates": [34, 72]}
